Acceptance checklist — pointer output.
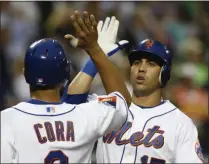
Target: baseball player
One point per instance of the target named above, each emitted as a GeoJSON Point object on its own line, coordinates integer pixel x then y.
{"type": "Point", "coordinates": [156, 131]}
{"type": "Point", "coordinates": [45, 130]}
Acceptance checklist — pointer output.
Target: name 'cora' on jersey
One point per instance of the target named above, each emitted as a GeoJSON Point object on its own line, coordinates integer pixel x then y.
{"type": "Point", "coordinates": [52, 132]}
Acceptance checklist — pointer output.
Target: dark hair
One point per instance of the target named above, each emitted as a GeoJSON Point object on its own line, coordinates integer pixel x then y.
{"type": "Point", "coordinates": [41, 88]}
{"type": "Point", "coordinates": [36, 88]}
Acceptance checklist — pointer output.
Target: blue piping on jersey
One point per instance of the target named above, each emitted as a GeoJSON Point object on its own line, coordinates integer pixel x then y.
{"type": "Point", "coordinates": [131, 114]}
{"type": "Point", "coordinates": [146, 124]}
{"type": "Point", "coordinates": [123, 153]}
{"type": "Point", "coordinates": [144, 107]}
{"type": "Point", "coordinates": [45, 114]}
{"type": "Point", "coordinates": [126, 108]}
{"type": "Point", "coordinates": [125, 144]}
{"type": "Point", "coordinates": [39, 102]}
{"type": "Point", "coordinates": [143, 131]}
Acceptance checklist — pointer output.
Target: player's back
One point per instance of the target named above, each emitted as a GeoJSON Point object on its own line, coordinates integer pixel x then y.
{"type": "Point", "coordinates": [39, 132]}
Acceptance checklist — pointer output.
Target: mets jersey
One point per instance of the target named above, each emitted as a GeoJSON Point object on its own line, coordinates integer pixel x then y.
{"type": "Point", "coordinates": [161, 134]}
{"type": "Point", "coordinates": [38, 132]}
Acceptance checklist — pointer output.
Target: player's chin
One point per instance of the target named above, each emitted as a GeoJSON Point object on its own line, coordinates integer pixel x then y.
{"type": "Point", "coordinates": [140, 87]}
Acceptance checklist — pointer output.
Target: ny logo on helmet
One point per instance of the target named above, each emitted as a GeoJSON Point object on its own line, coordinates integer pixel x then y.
{"type": "Point", "coordinates": [149, 43]}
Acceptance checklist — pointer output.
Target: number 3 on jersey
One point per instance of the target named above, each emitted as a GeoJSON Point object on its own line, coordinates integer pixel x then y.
{"type": "Point", "coordinates": [55, 156]}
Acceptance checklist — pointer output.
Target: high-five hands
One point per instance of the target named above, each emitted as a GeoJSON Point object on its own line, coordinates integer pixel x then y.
{"type": "Point", "coordinates": [86, 32]}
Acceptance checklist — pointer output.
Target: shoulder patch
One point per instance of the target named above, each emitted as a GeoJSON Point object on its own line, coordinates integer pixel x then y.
{"type": "Point", "coordinates": [198, 150]}
{"type": "Point", "coordinates": [108, 100]}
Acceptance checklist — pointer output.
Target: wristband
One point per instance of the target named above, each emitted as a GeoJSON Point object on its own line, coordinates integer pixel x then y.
{"type": "Point", "coordinates": [89, 68]}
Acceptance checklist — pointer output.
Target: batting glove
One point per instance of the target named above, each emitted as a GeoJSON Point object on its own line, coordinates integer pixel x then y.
{"type": "Point", "coordinates": [107, 35]}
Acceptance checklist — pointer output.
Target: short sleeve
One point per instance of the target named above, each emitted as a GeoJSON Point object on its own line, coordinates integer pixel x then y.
{"type": "Point", "coordinates": [107, 113]}
{"type": "Point", "coordinates": [188, 148]}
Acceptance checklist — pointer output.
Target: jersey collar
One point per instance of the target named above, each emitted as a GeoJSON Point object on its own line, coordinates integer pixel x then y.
{"type": "Point", "coordinates": [143, 107]}
{"type": "Point", "coordinates": [39, 102]}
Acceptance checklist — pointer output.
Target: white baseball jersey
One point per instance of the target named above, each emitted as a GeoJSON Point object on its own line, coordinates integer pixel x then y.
{"type": "Point", "coordinates": [38, 132]}
{"type": "Point", "coordinates": [162, 134]}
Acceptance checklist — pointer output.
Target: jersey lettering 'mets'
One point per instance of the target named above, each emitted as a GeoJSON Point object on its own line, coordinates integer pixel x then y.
{"type": "Point", "coordinates": [46, 132]}
{"type": "Point", "coordinates": [137, 138]}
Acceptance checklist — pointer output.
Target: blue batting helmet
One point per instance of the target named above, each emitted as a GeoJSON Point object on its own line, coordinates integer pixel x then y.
{"type": "Point", "coordinates": [157, 50]}
{"type": "Point", "coordinates": [46, 63]}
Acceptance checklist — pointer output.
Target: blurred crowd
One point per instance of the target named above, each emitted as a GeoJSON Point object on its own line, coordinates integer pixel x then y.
{"type": "Point", "coordinates": [182, 26]}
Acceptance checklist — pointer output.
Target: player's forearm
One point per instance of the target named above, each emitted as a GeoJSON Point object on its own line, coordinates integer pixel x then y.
{"type": "Point", "coordinates": [80, 84]}
{"type": "Point", "coordinates": [111, 78]}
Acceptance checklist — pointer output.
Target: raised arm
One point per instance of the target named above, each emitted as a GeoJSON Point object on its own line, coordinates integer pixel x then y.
{"type": "Point", "coordinates": [87, 39]}
{"type": "Point", "coordinates": [77, 90]}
